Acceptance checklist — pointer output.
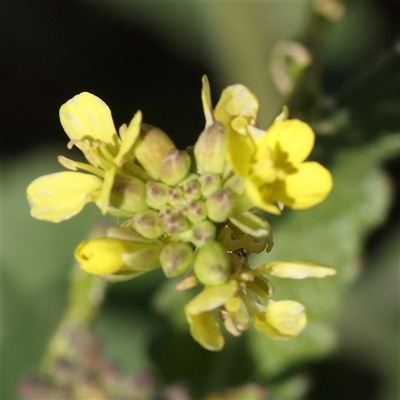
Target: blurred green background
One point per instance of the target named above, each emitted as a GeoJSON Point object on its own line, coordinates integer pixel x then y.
{"type": "Point", "coordinates": [151, 56]}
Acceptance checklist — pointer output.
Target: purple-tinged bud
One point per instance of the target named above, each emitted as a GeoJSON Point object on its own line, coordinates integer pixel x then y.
{"type": "Point", "coordinates": [176, 223]}
{"type": "Point", "coordinates": [175, 196]}
{"type": "Point", "coordinates": [210, 150]}
{"type": "Point", "coordinates": [128, 195]}
{"type": "Point", "coordinates": [197, 211]}
{"type": "Point", "coordinates": [209, 184]}
{"type": "Point", "coordinates": [151, 147]}
{"type": "Point", "coordinates": [220, 205]}
{"type": "Point", "coordinates": [174, 167]}
{"type": "Point", "coordinates": [192, 190]}
{"type": "Point", "coordinates": [176, 258]}
{"type": "Point", "coordinates": [156, 194]}
{"type": "Point", "coordinates": [202, 233]}
{"type": "Point", "coordinates": [212, 264]}
{"type": "Point", "coordinates": [148, 224]}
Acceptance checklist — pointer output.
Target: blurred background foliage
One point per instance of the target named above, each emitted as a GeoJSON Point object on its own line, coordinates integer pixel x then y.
{"type": "Point", "coordinates": [343, 79]}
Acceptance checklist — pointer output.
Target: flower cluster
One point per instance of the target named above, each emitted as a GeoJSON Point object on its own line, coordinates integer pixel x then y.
{"type": "Point", "coordinates": [191, 212]}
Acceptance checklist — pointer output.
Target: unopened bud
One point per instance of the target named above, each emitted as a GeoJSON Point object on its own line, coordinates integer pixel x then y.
{"type": "Point", "coordinates": [174, 167]}
{"type": "Point", "coordinates": [209, 150]}
{"type": "Point", "coordinates": [176, 223]}
{"type": "Point", "coordinates": [202, 233]}
{"type": "Point", "coordinates": [209, 184]}
{"type": "Point", "coordinates": [212, 264]}
{"type": "Point", "coordinates": [151, 147]}
{"type": "Point", "coordinates": [104, 256]}
{"type": "Point", "coordinates": [128, 195]}
{"type": "Point", "coordinates": [192, 190]}
{"type": "Point", "coordinates": [176, 259]}
{"type": "Point", "coordinates": [157, 194]}
{"type": "Point", "coordinates": [220, 205]}
{"type": "Point", "coordinates": [148, 224]}
{"type": "Point", "coordinates": [175, 196]}
{"type": "Point", "coordinates": [197, 211]}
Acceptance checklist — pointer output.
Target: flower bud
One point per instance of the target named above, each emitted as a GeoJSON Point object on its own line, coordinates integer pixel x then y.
{"type": "Point", "coordinates": [212, 264]}
{"type": "Point", "coordinates": [176, 258]}
{"type": "Point", "coordinates": [197, 211]}
{"type": "Point", "coordinates": [151, 147]}
{"type": "Point", "coordinates": [148, 224]}
{"type": "Point", "coordinates": [192, 190]}
{"type": "Point", "coordinates": [104, 256]}
{"type": "Point", "coordinates": [156, 194]}
{"type": "Point", "coordinates": [175, 196]}
{"type": "Point", "coordinates": [209, 150]}
{"type": "Point", "coordinates": [209, 184]}
{"type": "Point", "coordinates": [174, 167]}
{"type": "Point", "coordinates": [220, 205]}
{"type": "Point", "coordinates": [175, 223]}
{"type": "Point", "coordinates": [128, 195]}
{"type": "Point", "coordinates": [202, 232]}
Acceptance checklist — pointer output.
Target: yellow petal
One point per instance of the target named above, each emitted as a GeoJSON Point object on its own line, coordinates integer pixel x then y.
{"type": "Point", "coordinates": [205, 331]}
{"type": "Point", "coordinates": [291, 139]}
{"type": "Point", "coordinates": [236, 100]}
{"type": "Point", "coordinates": [256, 133]}
{"type": "Point", "coordinates": [129, 137]}
{"type": "Point", "coordinates": [206, 100]}
{"type": "Point", "coordinates": [211, 297]}
{"type": "Point", "coordinates": [261, 199]}
{"type": "Point", "coordinates": [240, 151]}
{"type": "Point", "coordinates": [296, 270]}
{"type": "Point", "coordinates": [282, 319]}
{"type": "Point", "coordinates": [60, 196]}
{"type": "Point", "coordinates": [284, 114]}
{"type": "Point", "coordinates": [103, 200]}
{"type": "Point", "coordinates": [105, 255]}
{"type": "Point", "coordinates": [87, 116]}
{"type": "Point", "coordinates": [305, 188]}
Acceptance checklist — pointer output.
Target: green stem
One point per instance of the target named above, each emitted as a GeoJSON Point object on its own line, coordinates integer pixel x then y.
{"type": "Point", "coordinates": [86, 294]}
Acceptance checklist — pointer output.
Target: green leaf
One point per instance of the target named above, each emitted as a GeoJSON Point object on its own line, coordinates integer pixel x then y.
{"type": "Point", "coordinates": [369, 325]}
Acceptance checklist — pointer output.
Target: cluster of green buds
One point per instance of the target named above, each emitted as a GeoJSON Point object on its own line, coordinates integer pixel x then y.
{"type": "Point", "coordinates": [193, 213]}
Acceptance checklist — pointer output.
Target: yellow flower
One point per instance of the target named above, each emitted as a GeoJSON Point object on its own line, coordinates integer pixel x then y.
{"type": "Point", "coordinates": [203, 326]}
{"type": "Point", "coordinates": [247, 294]}
{"type": "Point", "coordinates": [114, 181]}
{"type": "Point", "coordinates": [191, 211]}
{"type": "Point", "coordinates": [270, 162]}
{"type": "Point", "coordinates": [236, 110]}
{"type": "Point", "coordinates": [285, 319]}
{"type": "Point", "coordinates": [278, 174]}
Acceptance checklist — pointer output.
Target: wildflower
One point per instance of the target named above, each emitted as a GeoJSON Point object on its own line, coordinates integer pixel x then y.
{"type": "Point", "coordinates": [278, 174]}
{"type": "Point", "coordinates": [247, 294]}
{"type": "Point", "coordinates": [271, 162]}
{"type": "Point", "coordinates": [203, 326]}
{"type": "Point", "coordinates": [191, 212]}
{"type": "Point", "coordinates": [110, 183]}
